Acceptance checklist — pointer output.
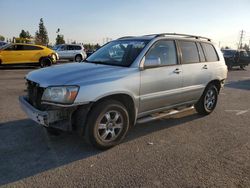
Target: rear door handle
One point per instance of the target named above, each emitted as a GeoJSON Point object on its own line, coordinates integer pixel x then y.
{"type": "Point", "coordinates": [177, 71]}
{"type": "Point", "coordinates": [204, 67]}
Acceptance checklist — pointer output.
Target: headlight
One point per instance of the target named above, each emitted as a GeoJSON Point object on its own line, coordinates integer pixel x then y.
{"type": "Point", "coordinates": [63, 94]}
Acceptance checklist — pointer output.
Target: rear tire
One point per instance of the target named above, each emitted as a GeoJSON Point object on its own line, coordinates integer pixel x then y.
{"type": "Point", "coordinates": [78, 58]}
{"type": "Point", "coordinates": [107, 125]}
{"type": "Point", "coordinates": [242, 67]}
{"type": "Point", "coordinates": [208, 100]}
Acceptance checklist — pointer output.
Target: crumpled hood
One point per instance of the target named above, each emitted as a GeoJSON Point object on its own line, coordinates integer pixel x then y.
{"type": "Point", "coordinates": [78, 74]}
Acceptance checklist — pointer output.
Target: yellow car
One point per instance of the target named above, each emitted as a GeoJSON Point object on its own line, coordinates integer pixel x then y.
{"type": "Point", "coordinates": [17, 53]}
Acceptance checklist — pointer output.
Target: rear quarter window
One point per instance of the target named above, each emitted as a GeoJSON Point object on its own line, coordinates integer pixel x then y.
{"type": "Point", "coordinates": [210, 53]}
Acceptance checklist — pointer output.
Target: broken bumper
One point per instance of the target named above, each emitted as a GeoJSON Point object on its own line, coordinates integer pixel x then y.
{"type": "Point", "coordinates": [40, 117]}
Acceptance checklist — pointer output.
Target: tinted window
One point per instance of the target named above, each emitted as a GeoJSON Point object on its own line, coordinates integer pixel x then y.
{"type": "Point", "coordinates": [12, 47]}
{"type": "Point", "coordinates": [202, 56]}
{"type": "Point", "coordinates": [70, 47]}
{"type": "Point", "coordinates": [189, 52]}
{"type": "Point", "coordinates": [165, 51]}
{"type": "Point", "coordinates": [15, 47]}
{"type": "Point", "coordinates": [26, 47]}
{"type": "Point", "coordinates": [78, 48]}
{"type": "Point", "coordinates": [210, 52]}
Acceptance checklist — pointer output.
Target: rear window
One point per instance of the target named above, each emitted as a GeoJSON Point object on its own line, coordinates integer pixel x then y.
{"type": "Point", "coordinates": [210, 52]}
{"type": "Point", "coordinates": [189, 52]}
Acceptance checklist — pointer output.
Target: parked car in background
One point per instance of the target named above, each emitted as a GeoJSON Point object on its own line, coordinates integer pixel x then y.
{"type": "Point", "coordinates": [127, 81]}
{"type": "Point", "coordinates": [73, 52]}
{"type": "Point", "coordinates": [89, 52]}
{"type": "Point", "coordinates": [2, 43]}
{"type": "Point", "coordinates": [18, 53]}
{"type": "Point", "coordinates": [234, 58]}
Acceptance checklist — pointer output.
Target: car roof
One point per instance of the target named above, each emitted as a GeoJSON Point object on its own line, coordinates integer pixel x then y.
{"type": "Point", "coordinates": [29, 44]}
{"type": "Point", "coordinates": [69, 44]}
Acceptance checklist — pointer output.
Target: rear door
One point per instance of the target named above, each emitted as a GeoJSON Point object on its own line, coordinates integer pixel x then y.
{"type": "Point", "coordinates": [195, 69]}
{"type": "Point", "coordinates": [160, 86]}
{"type": "Point", "coordinates": [32, 54]}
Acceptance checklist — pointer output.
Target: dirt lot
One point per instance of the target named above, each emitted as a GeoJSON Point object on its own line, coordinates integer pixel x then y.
{"type": "Point", "coordinates": [187, 150]}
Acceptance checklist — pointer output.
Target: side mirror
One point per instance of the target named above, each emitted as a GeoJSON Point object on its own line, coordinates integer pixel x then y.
{"type": "Point", "coordinates": [151, 62]}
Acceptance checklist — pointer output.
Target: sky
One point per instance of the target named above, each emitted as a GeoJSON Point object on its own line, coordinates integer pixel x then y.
{"type": "Point", "coordinates": [90, 21]}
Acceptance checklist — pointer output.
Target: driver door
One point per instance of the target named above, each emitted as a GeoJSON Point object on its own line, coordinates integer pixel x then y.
{"type": "Point", "coordinates": [161, 86]}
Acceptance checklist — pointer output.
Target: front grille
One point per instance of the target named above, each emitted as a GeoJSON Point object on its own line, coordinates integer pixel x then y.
{"type": "Point", "coordinates": [35, 94]}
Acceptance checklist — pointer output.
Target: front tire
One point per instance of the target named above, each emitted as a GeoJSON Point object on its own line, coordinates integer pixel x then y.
{"type": "Point", "coordinates": [45, 62]}
{"type": "Point", "coordinates": [208, 101]}
{"type": "Point", "coordinates": [107, 124]}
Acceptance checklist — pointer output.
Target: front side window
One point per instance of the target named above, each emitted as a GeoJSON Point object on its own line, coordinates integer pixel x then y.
{"type": "Point", "coordinates": [29, 47]}
{"type": "Point", "coordinates": [10, 48]}
{"type": "Point", "coordinates": [165, 51]}
{"type": "Point", "coordinates": [189, 52]}
{"type": "Point", "coordinates": [14, 48]}
{"type": "Point", "coordinates": [210, 52]}
{"type": "Point", "coordinates": [119, 53]}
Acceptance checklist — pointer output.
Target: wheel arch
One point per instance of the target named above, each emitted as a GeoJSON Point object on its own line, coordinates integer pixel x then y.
{"type": "Point", "coordinates": [217, 84]}
{"type": "Point", "coordinates": [127, 100]}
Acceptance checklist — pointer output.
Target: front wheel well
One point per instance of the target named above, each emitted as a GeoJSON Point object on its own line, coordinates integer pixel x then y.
{"type": "Point", "coordinates": [126, 100]}
{"type": "Point", "coordinates": [81, 115]}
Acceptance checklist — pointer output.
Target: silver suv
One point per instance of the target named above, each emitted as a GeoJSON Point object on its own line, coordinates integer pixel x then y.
{"type": "Point", "coordinates": [127, 81]}
{"type": "Point", "coordinates": [73, 52]}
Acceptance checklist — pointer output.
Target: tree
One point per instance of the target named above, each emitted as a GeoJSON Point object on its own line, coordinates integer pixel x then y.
{"type": "Point", "coordinates": [41, 36]}
{"type": "Point", "coordinates": [25, 34]}
{"type": "Point", "coordinates": [2, 38]}
{"type": "Point", "coordinates": [60, 39]}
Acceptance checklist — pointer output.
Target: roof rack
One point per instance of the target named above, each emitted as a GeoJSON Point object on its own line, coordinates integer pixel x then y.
{"type": "Point", "coordinates": [125, 37]}
{"type": "Point", "coordinates": [179, 34]}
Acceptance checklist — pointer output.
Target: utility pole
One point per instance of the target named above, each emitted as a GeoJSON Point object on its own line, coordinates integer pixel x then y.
{"type": "Point", "coordinates": [241, 39]}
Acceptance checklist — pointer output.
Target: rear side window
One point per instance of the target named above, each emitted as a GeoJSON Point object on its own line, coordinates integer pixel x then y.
{"type": "Point", "coordinates": [189, 52]}
{"type": "Point", "coordinates": [210, 52]}
{"type": "Point", "coordinates": [78, 48]}
{"type": "Point", "coordinates": [26, 47]}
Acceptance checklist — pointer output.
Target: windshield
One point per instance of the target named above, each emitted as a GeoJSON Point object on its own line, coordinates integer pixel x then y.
{"type": "Point", "coordinates": [56, 47]}
{"type": "Point", "coordinates": [4, 46]}
{"type": "Point", "coordinates": [120, 52]}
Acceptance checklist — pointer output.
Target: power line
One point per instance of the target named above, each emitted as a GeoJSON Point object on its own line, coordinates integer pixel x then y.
{"type": "Point", "coordinates": [241, 39]}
